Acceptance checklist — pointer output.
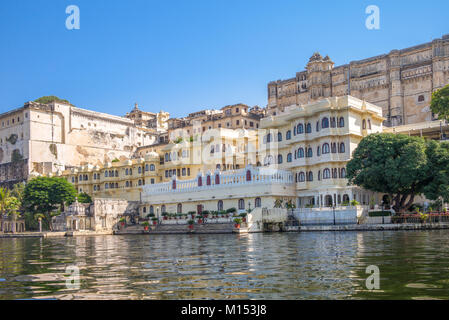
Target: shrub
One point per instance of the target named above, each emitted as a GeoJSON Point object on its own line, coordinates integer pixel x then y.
{"type": "Point", "coordinates": [231, 210]}
{"type": "Point", "coordinates": [379, 214]}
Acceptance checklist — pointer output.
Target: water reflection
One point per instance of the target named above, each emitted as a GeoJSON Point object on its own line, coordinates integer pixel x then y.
{"type": "Point", "coordinates": [413, 265]}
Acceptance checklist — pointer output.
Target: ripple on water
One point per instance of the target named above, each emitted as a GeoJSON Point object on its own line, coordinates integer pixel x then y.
{"type": "Point", "coordinates": [255, 266]}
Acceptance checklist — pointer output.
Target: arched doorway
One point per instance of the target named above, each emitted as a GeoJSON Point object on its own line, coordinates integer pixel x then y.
{"type": "Point", "coordinates": [328, 201]}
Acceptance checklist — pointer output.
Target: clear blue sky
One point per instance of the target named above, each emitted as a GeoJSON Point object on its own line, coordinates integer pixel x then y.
{"type": "Point", "coordinates": [183, 56]}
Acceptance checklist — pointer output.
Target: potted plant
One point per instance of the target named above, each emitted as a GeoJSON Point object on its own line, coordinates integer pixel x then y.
{"type": "Point", "coordinates": [154, 221]}
{"type": "Point", "coordinates": [200, 219]}
{"type": "Point", "coordinates": [122, 221]}
{"type": "Point", "coordinates": [164, 215]}
{"type": "Point", "coordinates": [243, 216]}
{"type": "Point", "coordinates": [146, 225]}
{"type": "Point", "coordinates": [206, 213]}
{"type": "Point", "coordinates": [192, 214]}
{"type": "Point", "coordinates": [354, 203]}
{"type": "Point", "coordinates": [237, 223]}
{"type": "Point", "coordinates": [191, 222]}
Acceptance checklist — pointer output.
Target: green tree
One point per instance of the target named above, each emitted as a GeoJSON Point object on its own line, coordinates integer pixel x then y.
{"type": "Point", "coordinates": [393, 164]}
{"type": "Point", "coordinates": [9, 205]}
{"type": "Point", "coordinates": [440, 103]}
{"type": "Point", "coordinates": [438, 168]}
{"type": "Point", "coordinates": [84, 198]}
{"type": "Point", "coordinates": [4, 196]}
{"type": "Point", "coordinates": [45, 195]}
{"type": "Point", "coordinates": [49, 99]}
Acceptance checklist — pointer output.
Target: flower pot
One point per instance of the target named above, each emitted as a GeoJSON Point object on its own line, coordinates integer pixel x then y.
{"type": "Point", "coordinates": [123, 224]}
{"type": "Point", "coordinates": [244, 219]}
{"type": "Point", "coordinates": [146, 228]}
{"type": "Point", "coordinates": [237, 225]}
{"type": "Point", "coordinates": [154, 223]}
{"type": "Point", "coordinates": [165, 218]}
{"type": "Point", "coordinates": [200, 221]}
{"type": "Point", "coordinates": [190, 226]}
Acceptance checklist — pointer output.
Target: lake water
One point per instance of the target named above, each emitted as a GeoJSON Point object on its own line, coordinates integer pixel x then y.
{"type": "Point", "coordinates": [327, 265]}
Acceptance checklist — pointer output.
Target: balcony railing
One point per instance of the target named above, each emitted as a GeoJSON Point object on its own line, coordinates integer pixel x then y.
{"type": "Point", "coordinates": [247, 176]}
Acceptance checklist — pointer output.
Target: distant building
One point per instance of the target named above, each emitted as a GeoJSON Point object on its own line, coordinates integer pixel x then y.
{"type": "Point", "coordinates": [400, 82]}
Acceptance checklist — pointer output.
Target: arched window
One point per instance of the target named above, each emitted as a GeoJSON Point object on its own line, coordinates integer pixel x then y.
{"type": "Point", "coordinates": [334, 174]}
{"type": "Point", "coordinates": [369, 124]}
{"type": "Point", "coordinates": [241, 204]}
{"type": "Point", "coordinates": [333, 147]}
{"type": "Point", "coordinates": [179, 208]}
{"type": "Point", "coordinates": [300, 153]}
{"type": "Point", "coordinates": [364, 124]}
{"type": "Point", "coordinates": [318, 151]}
{"type": "Point", "coordinates": [106, 186]}
{"type": "Point", "coordinates": [95, 188]}
{"type": "Point", "coordinates": [279, 158]}
{"type": "Point", "coordinates": [140, 182]}
{"type": "Point", "coordinates": [302, 177]}
{"type": "Point", "coordinates": [289, 157]}
{"type": "Point", "coordinates": [325, 123]}
{"type": "Point", "coordinates": [127, 184]}
{"type": "Point", "coordinates": [319, 175]}
{"type": "Point", "coordinates": [258, 203]}
{"type": "Point", "coordinates": [147, 167]}
{"type": "Point", "coordinates": [300, 128]}
{"type": "Point", "coordinates": [220, 205]}
{"type": "Point", "coordinates": [342, 147]}
{"type": "Point", "coordinates": [333, 122]}
{"type": "Point", "coordinates": [116, 173]}
{"type": "Point", "coordinates": [208, 182]}
{"type": "Point", "coordinates": [163, 209]}
{"type": "Point", "coordinates": [139, 170]}
{"type": "Point", "coordinates": [343, 173]}
{"type": "Point", "coordinates": [310, 176]}
{"type": "Point", "coordinates": [248, 175]}
{"type": "Point", "coordinates": [326, 174]}
{"type": "Point", "coordinates": [294, 130]}
{"type": "Point", "coordinates": [317, 126]}
{"type": "Point", "coordinates": [309, 153]}
{"type": "Point", "coordinates": [268, 138]}
{"type": "Point", "coordinates": [144, 209]}
{"type": "Point", "coordinates": [341, 122]}
{"type": "Point", "coordinates": [217, 179]}
{"type": "Point", "coordinates": [279, 136]}
{"type": "Point", "coordinates": [288, 136]}
{"type": "Point", "coordinates": [116, 185]}
{"type": "Point", "coordinates": [151, 209]}
{"type": "Point", "coordinates": [152, 167]}
{"type": "Point", "coordinates": [200, 181]}
{"type": "Point", "coordinates": [308, 128]}
{"type": "Point", "coordinates": [126, 171]}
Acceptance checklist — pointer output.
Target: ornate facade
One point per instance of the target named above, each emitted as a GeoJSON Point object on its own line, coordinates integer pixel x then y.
{"type": "Point", "coordinates": [400, 82]}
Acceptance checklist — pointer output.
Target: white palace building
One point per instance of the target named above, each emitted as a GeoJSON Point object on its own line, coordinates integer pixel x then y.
{"type": "Point", "coordinates": [302, 156]}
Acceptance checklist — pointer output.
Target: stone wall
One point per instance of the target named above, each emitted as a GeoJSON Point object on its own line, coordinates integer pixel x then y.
{"type": "Point", "coordinates": [13, 172]}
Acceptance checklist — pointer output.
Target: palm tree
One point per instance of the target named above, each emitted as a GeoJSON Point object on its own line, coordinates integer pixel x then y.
{"type": "Point", "coordinates": [4, 195]}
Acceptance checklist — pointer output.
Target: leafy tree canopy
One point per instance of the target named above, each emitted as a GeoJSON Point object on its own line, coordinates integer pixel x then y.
{"type": "Point", "coordinates": [440, 103]}
{"type": "Point", "coordinates": [84, 198]}
{"type": "Point", "coordinates": [50, 99]}
{"type": "Point", "coordinates": [46, 194]}
{"type": "Point", "coordinates": [400, 166]}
